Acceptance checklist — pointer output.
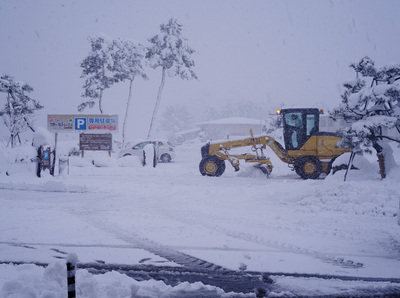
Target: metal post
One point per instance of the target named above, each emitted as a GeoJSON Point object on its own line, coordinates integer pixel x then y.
{"type": "Point", "coordinates": [72, 259]}
{"type": "Point", "coordinates": [350, 164]}
{"type": "Point", "coordinates": [53, 167]}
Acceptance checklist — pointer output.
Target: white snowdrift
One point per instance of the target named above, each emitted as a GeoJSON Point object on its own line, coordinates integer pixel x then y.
{"type": "Point", "coordinates": [241, 221]}
{"type": "Point", "coordinates": [33, 281]}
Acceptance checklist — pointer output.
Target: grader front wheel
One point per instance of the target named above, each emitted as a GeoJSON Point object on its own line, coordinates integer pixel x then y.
{"type": "Point", "coordinates": [212, 166]}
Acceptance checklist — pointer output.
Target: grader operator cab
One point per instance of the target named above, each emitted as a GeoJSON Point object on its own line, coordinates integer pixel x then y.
{"type": "Point", "coordinates": [307, 151]}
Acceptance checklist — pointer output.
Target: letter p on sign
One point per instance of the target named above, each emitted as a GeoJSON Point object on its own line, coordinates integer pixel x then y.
{"type": "Point", "coordinates": [80, 123]}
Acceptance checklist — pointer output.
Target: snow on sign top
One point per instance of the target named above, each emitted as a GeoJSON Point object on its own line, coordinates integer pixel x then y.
{"type": "Point", "coordinates": [82, 123]}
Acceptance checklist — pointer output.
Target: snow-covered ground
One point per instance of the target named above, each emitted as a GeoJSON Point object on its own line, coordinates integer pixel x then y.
{"type": "Point", "coordinates": [115, 211]}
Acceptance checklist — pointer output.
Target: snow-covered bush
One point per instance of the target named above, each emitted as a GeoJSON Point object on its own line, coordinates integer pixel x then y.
{"type": "Point", "coordinates": [371, 106]}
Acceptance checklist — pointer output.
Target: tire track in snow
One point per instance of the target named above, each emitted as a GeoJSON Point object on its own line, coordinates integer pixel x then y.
{"type": "Point", "coordinates": [280, 246]}
{"type": "Point", "coordinates": [194, 269]}
{"type": "Point", "coordinates": [259, 283]}
{"type": "Point", "coordinates": [158, 249]}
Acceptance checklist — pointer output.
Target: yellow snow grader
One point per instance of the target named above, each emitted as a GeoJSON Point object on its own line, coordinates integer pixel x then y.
{"type": "Point", "coordinates": [307, 151]}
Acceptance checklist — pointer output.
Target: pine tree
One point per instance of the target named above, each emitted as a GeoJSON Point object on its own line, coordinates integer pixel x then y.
{"type": "Point", "coordinates": [19, 108]}
{"type": "Point", "coordinates": [170, 51]}
{"type": "Point", "coordinates": [127, 65]}
{"type": "Point", "coordinates": [97, 71]}
{"type": "Point", "coordinates": [371, 110]}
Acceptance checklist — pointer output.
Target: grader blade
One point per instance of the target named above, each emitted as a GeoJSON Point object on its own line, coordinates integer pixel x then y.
{"type": "Point", "coordinates": [266, 169]}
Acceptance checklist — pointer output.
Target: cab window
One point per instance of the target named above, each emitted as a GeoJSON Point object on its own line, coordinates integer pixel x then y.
{"type": "Point", "coordinates": [311, 127]}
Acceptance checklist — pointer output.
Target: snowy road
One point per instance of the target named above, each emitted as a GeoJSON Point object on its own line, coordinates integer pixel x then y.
{"type": "Point", "coordinates": [239, 221]}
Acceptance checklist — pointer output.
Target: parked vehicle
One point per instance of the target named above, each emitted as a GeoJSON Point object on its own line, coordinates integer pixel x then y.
{"type": "Point", "coordinates": [165, 150]}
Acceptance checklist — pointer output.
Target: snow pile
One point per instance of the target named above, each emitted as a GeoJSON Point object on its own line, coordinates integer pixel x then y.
{"type": "Point", "coordinates": [130, 161]}
{"type": "Point", "coordinates": [42, 137]}
{"type": "Point", "coordinates": [79, 162]}
{"type": "Point", "coordinates": [352, 199]}
{"type": "Point", "coordinates": [34, 281]}
{"type": "Point", "coordinates": [104, 162]}
{"type": "Point", "coordinates": [17, 160]}
{"type": "Point", "coordinates": [365, 170]}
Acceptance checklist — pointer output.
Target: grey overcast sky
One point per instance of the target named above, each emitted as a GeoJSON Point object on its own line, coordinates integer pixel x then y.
{"type": "Point", "coordinates": [293, 52]}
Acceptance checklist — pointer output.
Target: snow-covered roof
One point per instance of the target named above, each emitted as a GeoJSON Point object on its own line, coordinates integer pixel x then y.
{"type": "Point", "coordinates": [187, 131]}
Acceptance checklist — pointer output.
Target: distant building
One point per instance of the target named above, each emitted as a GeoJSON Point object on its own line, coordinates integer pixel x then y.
{"type": "Point", "coordinates": [326, 123]}
{"type": "Point", "coordinates": [185, 135]}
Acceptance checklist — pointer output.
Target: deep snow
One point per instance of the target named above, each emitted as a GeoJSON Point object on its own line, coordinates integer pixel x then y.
{"type": "Point", "coordinates": [109, 210]}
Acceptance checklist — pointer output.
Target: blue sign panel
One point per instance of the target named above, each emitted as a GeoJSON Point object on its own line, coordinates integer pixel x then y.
{"type": "Point", "coordinates": [80, 123]}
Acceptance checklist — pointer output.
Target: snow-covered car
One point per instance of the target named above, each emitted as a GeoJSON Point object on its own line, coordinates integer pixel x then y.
{"type": "Point", "coordinates": [165, 150]}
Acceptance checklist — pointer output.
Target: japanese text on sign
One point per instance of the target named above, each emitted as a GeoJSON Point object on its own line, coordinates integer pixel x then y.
{"type": "Point", "coordinates": [82, 123]}
{"type": "Point", "coordinates": [95, 142]}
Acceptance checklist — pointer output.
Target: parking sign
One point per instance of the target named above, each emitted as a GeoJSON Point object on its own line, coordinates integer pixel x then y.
{"type": "Point", "coordinates": [80, 123]}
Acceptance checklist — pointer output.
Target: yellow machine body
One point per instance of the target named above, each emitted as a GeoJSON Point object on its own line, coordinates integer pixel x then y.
{"type": "Point", "coordinates": [312, 154]}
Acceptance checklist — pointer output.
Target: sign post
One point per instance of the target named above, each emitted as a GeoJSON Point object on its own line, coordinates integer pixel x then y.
{"type": "Point", "coordinates": [95, 130]}
{"type": "Point", "coordinates": [95, 142]}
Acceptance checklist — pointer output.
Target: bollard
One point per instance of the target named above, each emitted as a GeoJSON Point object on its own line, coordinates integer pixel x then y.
{"type": "Point", "coordinates": [63, 163]}
{"type": "Point", "coordinates": [72, 259]}
{"type": "Point", "coordinates": [149, 155]}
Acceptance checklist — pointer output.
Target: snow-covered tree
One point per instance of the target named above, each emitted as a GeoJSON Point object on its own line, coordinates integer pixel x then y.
{"type": "Point", "coordinates": [271, 123]}
{"type": "Point", "coordinates": [371, 106]}
{"type": "Point", "coordinates": [97, 71]}
{"type": "Point", "coordinates": [176, 118]}
{"type": "Point", "coordinates": [170, 51]}
{"type": "Point", "coordinates": [127, 56]}
{"type": "Point", "coordinates": [19, 108]}
{"type": "Point", "coordinates": [211, 113]}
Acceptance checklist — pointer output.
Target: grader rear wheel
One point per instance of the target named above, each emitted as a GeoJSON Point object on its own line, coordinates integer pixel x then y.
{"type": "Point", "coordinates": [308, 167]}
{"type": "Point", "coordinates": [212, 166]}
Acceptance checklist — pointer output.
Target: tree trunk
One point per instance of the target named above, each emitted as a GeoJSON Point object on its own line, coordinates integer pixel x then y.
{"type": "Point", "coordinates": [386, 160]}
{"type": "Point", "coordinates": [11, 141]}
{"type": "Point", "coordinates": [11, 125]}
{"type": "Point", "coordinates": [27, 123]}
{"type": "Point", "coordinates": [101, 90]}
{"type": "Point", "coordinates": [100, 97]}
{"type": "Point", "coordinates": [157, 104]}
{"type": "Point", "coordinates": [126, 112]}
{"type": "Point", "coordinates": [381, 162]}
{"type": "Point", "coordinates": [381, 158]}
